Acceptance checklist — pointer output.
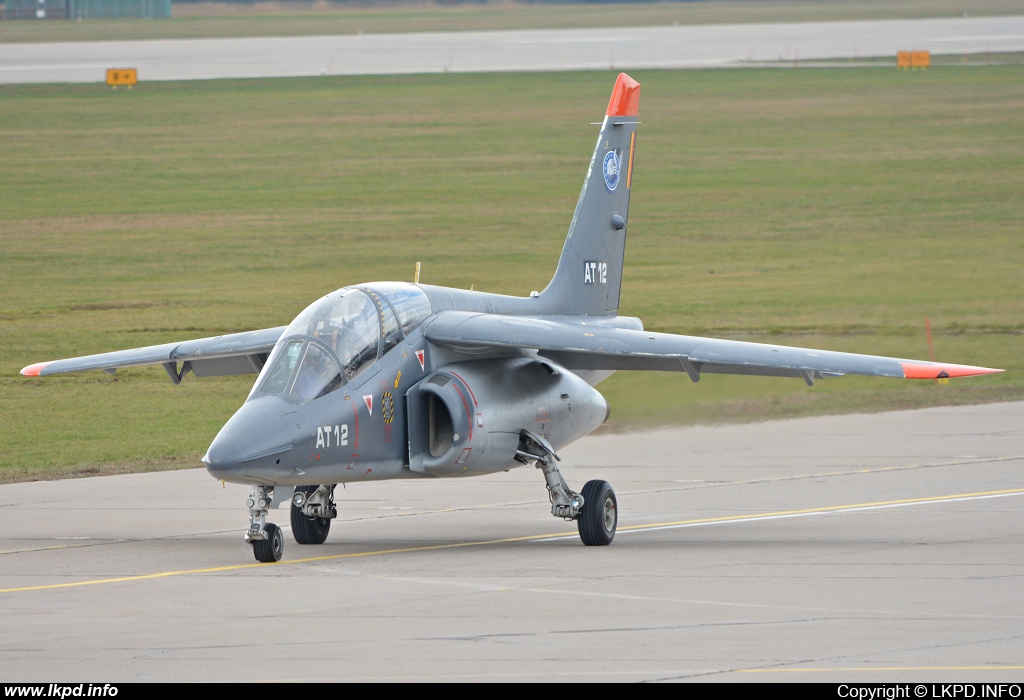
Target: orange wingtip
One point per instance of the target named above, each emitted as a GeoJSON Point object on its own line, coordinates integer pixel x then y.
{"type": "Point", "coordinates": [625, 100]}
{"type": "Point", "coordinates": [939, 371]}
{"type": "Point", "coordinates": [33, 370]}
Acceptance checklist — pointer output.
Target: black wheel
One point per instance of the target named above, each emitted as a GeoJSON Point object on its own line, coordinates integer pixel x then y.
{"type": "Point", "coordinates": [272, 548]}
{"type": "Point", "coordinates": [308, 530]}
{"type": "Point", "coordinates": [600, 514]}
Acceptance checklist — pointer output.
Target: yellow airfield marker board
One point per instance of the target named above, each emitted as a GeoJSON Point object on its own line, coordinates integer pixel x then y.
{"type": "Point", "coordinates": [913, 59]}
{"type": "Point", "coordinates": [122, 76]}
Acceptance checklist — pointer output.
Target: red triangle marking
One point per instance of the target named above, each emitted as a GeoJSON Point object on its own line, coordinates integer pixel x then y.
{"type": "Point", "coordinates": [369, 403]}
{"type": "Point", "coordinates": [421, 355]}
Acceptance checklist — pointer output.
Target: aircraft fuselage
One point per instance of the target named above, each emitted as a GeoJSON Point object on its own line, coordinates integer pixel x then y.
{"type": "Point", "coordinates": [467, 405]}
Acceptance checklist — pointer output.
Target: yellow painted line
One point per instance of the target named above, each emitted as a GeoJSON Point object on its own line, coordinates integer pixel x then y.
{"type": "Point", "coordinates": [825, 509]}
{"type": "Point", "coordinates": [880, 668]}
{"type": "Point", "coordinates": [506, 540]}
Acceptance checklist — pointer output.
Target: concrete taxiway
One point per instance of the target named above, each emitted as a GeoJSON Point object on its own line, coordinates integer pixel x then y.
{"type": "Point", "coordinates": [625, 48]}
{"type": "Point", "coordinates": [863, 548]}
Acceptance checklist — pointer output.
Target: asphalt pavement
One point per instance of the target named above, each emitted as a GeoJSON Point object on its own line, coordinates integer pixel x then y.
{"type": "Point", "coordinates": [864, 548]}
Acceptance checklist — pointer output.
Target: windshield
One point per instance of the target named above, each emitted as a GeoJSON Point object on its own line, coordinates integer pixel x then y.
{"type": "Point", "coordinates": [325, 347]}
{"type": "Point", "coordinates": [276, 381]}
{"type": "Point", "coordinates": [318, 375]}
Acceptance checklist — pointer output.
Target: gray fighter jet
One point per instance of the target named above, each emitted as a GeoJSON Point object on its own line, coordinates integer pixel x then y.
{"type": "Point", "coordinates": [390, 380]}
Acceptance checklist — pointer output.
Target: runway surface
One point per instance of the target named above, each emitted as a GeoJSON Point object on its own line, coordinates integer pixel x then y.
{"type": "Point", "coordinates": [873, 548]}
{"type": "Point", "coordinates": [571, 49]}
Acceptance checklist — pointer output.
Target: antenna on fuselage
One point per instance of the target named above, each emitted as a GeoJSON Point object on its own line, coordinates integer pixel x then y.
{"type": "Point", "coordinates": [416, 277]}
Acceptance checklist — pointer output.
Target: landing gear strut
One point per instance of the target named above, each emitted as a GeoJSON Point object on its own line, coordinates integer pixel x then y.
{"type": "Point", "coordinates": [266, 539]}
{"type": "Point", "coordinates": [595, 510]}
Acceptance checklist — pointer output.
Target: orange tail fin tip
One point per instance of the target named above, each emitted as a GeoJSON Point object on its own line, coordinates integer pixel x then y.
{"type": "Point", "coordinates": [625, 101]}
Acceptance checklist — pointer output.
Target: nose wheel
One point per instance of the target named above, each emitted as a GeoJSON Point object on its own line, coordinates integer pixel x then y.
{"type": "Point", "coordinates": [266, 539]}
{"type": "Point", "coordinates": [272, 548]}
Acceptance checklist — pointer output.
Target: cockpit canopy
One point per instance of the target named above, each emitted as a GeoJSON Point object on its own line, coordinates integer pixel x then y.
{"type": "Point", "coordinates": [338, 336]}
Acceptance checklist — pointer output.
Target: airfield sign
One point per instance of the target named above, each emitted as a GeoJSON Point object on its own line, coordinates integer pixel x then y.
{"type": "Point", "coordinates": [122, 76]}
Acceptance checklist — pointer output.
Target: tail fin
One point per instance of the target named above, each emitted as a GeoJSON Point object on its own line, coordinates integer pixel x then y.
{"type": "Point", "coordinates": [589, 274]}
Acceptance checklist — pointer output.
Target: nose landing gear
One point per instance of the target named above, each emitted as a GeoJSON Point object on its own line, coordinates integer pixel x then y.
{"type": "Point", "coordinates": [266, 539]}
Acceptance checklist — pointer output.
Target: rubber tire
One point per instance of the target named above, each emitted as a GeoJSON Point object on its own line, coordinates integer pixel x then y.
{"type": "Point", "coordinates": [308, 530]}
{"type": "Point", "coordinates": [272, 548]}
{"type": "Point", "coordinates": [600, 514]}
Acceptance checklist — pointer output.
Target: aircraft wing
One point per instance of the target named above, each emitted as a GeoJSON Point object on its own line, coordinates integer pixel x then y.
{"type": "Point", "coordinates": [584, 344]}
{"type": "Point", "coordinates": [237, 353]}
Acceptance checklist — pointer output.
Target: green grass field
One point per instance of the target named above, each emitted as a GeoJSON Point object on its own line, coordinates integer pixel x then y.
{"type": "Point", "coordinates": [833, 208]}
{"type": "Point", "coordinates": [215, 19]}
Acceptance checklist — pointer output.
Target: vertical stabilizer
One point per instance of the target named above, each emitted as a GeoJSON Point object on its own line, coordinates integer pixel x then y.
{"type": "Point", "coordinates": [589, 274]}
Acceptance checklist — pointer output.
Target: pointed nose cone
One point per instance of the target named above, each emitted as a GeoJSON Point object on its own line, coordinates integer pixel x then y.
{"type": "Point", "coordinates": [255, 434]}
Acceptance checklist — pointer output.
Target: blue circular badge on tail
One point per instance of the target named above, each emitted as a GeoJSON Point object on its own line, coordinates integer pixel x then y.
{"type": "Point", "coordinates": [611, 170]}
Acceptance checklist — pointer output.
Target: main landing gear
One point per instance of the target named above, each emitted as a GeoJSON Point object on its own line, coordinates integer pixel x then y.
{"type": "Point", "coordinates": [595, 510]}
{"type": "Point", "coordinates": [311, 514]}
{"type": "Point", "coordinates": [312, 510]}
